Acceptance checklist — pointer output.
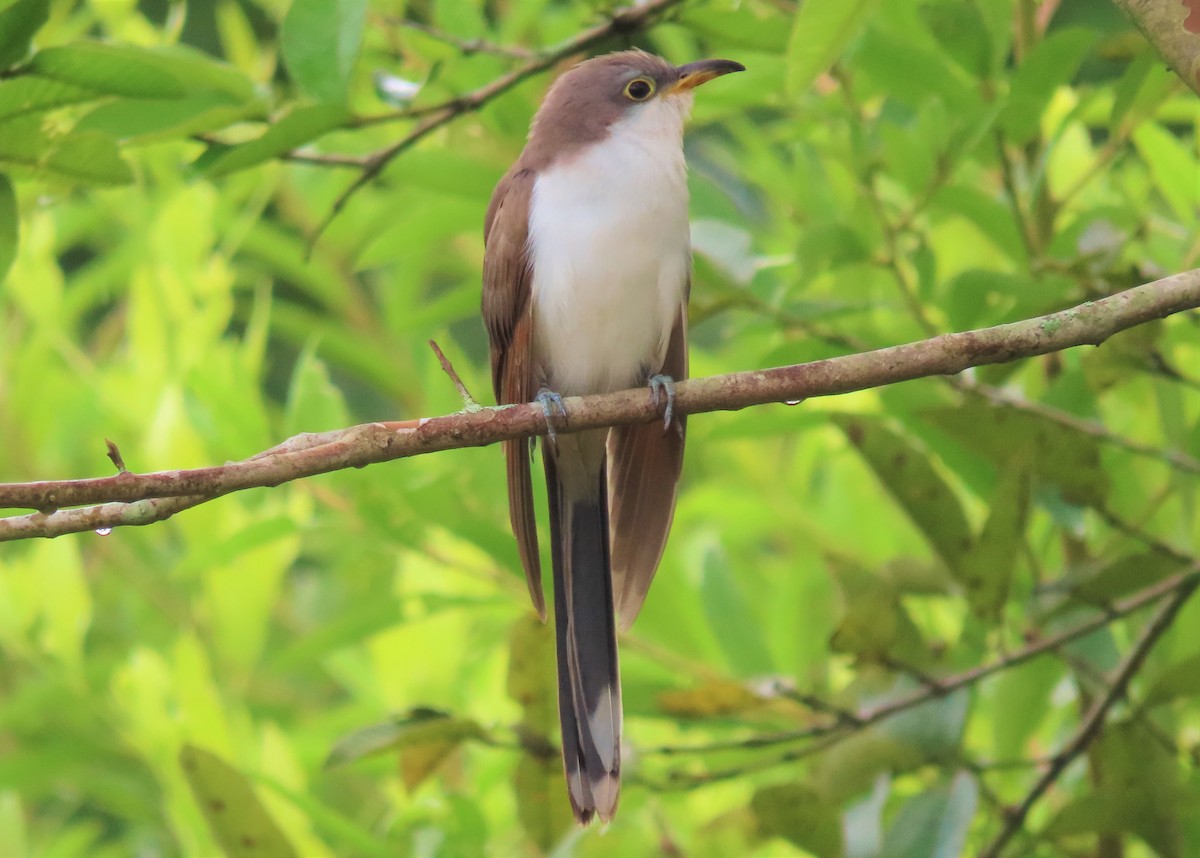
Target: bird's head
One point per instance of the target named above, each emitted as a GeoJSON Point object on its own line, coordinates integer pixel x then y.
{"type": "Point", "coordinates": [630, 87]}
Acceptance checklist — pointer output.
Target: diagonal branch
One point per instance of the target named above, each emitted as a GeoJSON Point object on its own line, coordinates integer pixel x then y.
{"type": "Point", "coordinates": [624, 21]}
{"type": "Point", "coordinates": [466, 47]}
{"type": "Point", "coordinates": [1089, 729]}
{"type": "Point", "coordinates": [308, 455]}
{"type": "Point", "coordinates": [847, 722]}
{"type": "Point", "coordinates": [1173, 27]}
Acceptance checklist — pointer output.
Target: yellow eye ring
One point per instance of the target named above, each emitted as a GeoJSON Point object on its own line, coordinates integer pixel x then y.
{"type": "Point", "coordinates": [639, 89]}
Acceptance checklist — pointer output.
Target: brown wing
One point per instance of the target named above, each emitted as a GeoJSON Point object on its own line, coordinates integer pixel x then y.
{"type": "Point", "coordinates": [508, 316]}
{"type": "Point", "coordinates": [644, 464]}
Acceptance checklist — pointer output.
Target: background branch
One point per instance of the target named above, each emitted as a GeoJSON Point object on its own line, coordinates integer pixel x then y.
{"type": "Point", "coordinates": [1090, 728]}
{"type": "Point", "coordinates": [622, 22]}
{"type": "Point", "coordinates": [846, 722]}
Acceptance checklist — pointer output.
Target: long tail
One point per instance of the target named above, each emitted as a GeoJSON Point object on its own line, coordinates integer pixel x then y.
{"type": "Point", "coordinates": [589, 684]}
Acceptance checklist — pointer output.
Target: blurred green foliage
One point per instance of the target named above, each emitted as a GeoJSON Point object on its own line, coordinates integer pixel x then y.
{"type": "Point", "coordinates": [347, 665]}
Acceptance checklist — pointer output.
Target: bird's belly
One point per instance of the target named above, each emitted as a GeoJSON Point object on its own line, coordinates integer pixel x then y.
{"type": "Point", "coordinates": [607, 288]}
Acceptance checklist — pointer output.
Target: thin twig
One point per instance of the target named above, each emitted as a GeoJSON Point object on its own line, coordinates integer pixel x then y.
{"type": "Point", "coordinates": [114, 455]}
{"type": "Point", "coordinates": [844, 716]}
{"type": "Point", "coordinates": [299, 156]}
{"type": "Point", "coordinates": [1092, 429]}
{"type": "Point", "coordinates": [1008, 178]}
{"type": "Point", "coordinates": [893, 258]}
{"type": "Point", "coordinates": [469, 401]}
{"type": "Point", "coordinates": [466, 47]}
{"type": "Point", "coordinates": [1092, 723]}
{"type": "Point", "coordinates": [1132, 530]}
{"type": "Point", "coordinates": [622, 22]}
{"type": "Point", "coordinates": [318, 159]}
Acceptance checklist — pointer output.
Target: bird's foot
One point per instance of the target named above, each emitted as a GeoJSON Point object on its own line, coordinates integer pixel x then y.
{"type": "Point", "coordinates": [663, 386]}
{"type": "Point", "coordinates": [553, 409]}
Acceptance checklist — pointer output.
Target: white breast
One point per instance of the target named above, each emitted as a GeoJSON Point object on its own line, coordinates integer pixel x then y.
{"type": "Point", "coordinates": [611, 256]}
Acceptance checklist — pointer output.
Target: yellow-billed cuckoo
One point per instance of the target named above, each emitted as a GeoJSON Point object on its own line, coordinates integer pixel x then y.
{"type": "Point", "coordinates": [585, 286]}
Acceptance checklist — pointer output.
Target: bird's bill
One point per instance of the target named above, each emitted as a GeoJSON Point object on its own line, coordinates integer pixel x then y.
{"type": "Point", "coordinates": [702, 71]}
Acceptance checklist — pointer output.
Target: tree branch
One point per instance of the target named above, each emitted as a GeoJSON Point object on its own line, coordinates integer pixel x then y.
{"type": "Point", "coordinates": [624, 21]}
{"type": "Point", "coordinates": [964, 384]}
{"type": "Point", "coordinates": [1089, 729]}
{"type": "Point", "coordinates": [308, 455]}
{"type": "Point", "coordinates": [1173, 27]}
{"type": "Point", "coordinates": [846, 721]}
{"type": "Point", "coordinates": [466, 47]}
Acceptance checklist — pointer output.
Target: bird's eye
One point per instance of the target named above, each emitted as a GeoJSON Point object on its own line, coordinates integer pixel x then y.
{"type": "Point", "coordinates": [639, 89]}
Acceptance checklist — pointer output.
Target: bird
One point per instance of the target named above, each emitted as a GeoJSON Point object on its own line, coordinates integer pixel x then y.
{"type": "Point", "coordinates": [586, 275]}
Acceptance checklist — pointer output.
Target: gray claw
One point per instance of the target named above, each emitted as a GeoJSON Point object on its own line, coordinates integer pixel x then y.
{"type": "Point", "coordinates": [658, 384]}
{"type": "Point", "coordinates": [551, 402]}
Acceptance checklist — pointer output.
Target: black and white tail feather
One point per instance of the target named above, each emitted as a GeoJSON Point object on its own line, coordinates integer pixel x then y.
{"type": "Point", "coordinates": [589, 685]}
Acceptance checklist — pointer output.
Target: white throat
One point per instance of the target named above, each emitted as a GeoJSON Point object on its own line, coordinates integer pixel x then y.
{"type": "Point", "coordinates": [609, 244]}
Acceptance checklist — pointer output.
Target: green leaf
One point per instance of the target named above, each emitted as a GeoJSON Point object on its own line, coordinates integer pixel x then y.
{"type": "Point", "coordinates": [314, 403]}
{"type": "Point", "coordinates": [933, 729]}
{"type": "Point", "coordinates": [1049, 65]}
{"type": "Point", "coordinates": [418, 762]}
{"type": "Point", "coordinates": [1021, 702]}
{"type": "Point", "coordinates": [542, 804]}
{"type": "Point", "coordinates": [988, 569]}
{"type": "Point", "coordinates": [18, 23]}
{"type": "Point", "coordinates": [820, 31]}
{"type": "Point", "coordinates": [349, 626]}
{"type": "Point", "coordinates": [1062, 457]}
{"type": "Point", "coordinates": [134, 72]}
{"type": "Point", "coordinates": [84, 156]}
{"type": "Point", "coordinates": [1152, 89]}
{"type": "Point", "coordinates": [9, 226]}
{"type": "Point", "coordinates": [912, 73]}
{"type": "Point", "coordinates": [862, 822]}
{"type": "Point", "coordinates": [238, 820]}
{"type": "Point", "coordinates": [874, 621]}
{"type": "Point", "coordinates": [934, 824]}
{"type": "Point", "coordinates": [992, 218]}
{"type": "Point", "coordinates": [111, 69]}
{"type": "Point", "coordinates": [298, 126]}
{"type": "Point", "coordinates": [1122, 355]}
{"type": "Point", "coordinates": [29, 93]}
{"type": "Point", "coordinates": [1181, 679]}
{"type": "Point", "coordinates": [977, 293]}
{"type": "Point", "coordinates": [421, 727]}
{"type": "Point", "coordinates": [320, 42]}
{"type": "Point", "coordinates": [709, 699]}
{"type": "Point", "coordinates": [911, 479]}
{"type": "Point", "coordinates": [731, 618]}
{"type": "Point", "coordinates": [798, 814]}
{"type": "Point", "coordinates": [88, 156]}
{"type": "Point", "coordinates": [345, 835]}
{"type": "Point", "coordinates": [961, 32]}
{"type": "Point", "coordinates": [1138, 790]}
{"type": "Point", "coordinates": [13, 837]}
{"type": "Point", "coordinates": [1170, 159]}
{"type": "Point", "coordinates": [928, 733]}
{"type": "Point", "coordinates": [851, 767]}
{"type": "Point", "coordinates": [151, 119]}
{"type": "Point", "coordinates": [532, 676]}
{"type": "Point", "coordinates": [1123, 575]}
{"type": "Point", "coordinates": [737, 28]}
